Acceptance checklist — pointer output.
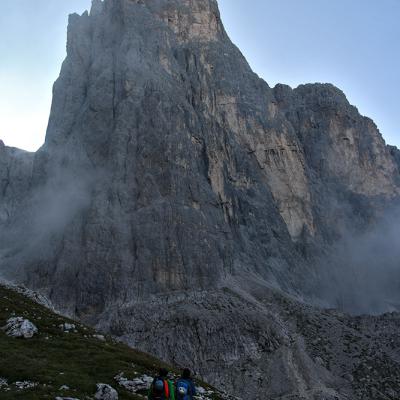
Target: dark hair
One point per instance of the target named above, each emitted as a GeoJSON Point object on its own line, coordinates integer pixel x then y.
{"type": "Point", "coordinates": [186, 374]}
{"type": "Point", "coordinates": [163, 373]}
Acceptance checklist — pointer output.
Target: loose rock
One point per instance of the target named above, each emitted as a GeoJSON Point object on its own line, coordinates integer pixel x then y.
{"type": "Point", "coordinates": [65, 398]}
{"type": "Point", "coordinates": [24, 385]}
{"type": "Point", "coordinates": [20, 327]}
{"type": "Point", "coordinates": [135, 385]}
{"type": "Point", "coordinates": [66, 327]}
{"type": "Point", "coordinates": [105, 392]}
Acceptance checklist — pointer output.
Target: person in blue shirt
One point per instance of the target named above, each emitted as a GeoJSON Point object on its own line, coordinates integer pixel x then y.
{"type": "Point", "coordinates": [185, 387]}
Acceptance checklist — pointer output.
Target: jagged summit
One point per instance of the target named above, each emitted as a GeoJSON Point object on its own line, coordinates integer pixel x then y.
{"type": "Point", "coordinates": [188, 19]}
{"type": "Point", "coordinates": [182, 204]}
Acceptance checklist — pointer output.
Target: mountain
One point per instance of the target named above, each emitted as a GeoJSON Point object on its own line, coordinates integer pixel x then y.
{"type": "Point", "coordinates": [186, 207]}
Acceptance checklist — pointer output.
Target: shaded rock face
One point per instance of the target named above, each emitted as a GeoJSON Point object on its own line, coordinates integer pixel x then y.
{"type": "Point", "coordinates": [174, 199]}
{"type": "Point", "coordinates": [15, 178]}
{"type": "Point", "coordinates": [176, 192]}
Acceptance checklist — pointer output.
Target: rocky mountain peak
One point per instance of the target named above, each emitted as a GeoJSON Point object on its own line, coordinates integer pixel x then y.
{"type": "Point", "coordinates": [179, 202]}
{"type": "Point", "coordinates": [192, 19]}
{"type": "Point", "coordinates": [188, 19]}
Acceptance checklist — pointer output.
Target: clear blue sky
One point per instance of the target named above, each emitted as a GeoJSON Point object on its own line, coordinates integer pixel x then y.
{"type": "Point", "coordinates": [354, 44]}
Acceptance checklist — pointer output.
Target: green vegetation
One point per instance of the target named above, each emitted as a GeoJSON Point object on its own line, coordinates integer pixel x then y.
{"type": "Point", "coordinates": [54, 358]}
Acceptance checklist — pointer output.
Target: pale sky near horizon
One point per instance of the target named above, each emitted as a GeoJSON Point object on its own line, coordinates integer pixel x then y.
{"type": "Point", "coordinates": [353, 44]}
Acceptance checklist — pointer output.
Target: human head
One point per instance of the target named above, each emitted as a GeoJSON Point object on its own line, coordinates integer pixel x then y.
{"type": "Point", "coordinates": [186, 374]}
{"type": "Point", "coordinates": [163, 373]}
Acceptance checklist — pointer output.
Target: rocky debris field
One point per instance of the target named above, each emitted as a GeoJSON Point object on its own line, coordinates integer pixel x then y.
{"type": "Point", "coordinates": [44, 355]}
{"type": "Point", "coordinates": [363, 351]}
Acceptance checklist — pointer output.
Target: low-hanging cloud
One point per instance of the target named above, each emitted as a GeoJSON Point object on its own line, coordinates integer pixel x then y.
{"type": "Point", "coordinates": [363, 275]}
{"type": "Point", "coordinates": [56, 204]}
{"type": "Point", "coordinates": [43, 218]}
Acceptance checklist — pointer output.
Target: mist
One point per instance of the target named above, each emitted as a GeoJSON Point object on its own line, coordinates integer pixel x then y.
{"type": "Point", "coordinates": [42, 220]}
{"type": "Point", "coordinates": [363, 276]}
{"type": "Point", "coordinates": [59, 202]}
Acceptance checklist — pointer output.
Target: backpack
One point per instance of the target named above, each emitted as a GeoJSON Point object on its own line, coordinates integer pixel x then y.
{"type": "Point", "coordinates": [160, 389]}
{"type": "Point", "coordinates": [183, 390]}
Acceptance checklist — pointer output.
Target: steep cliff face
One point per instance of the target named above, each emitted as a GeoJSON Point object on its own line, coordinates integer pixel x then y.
{"type": "Point", "coordinates": [15, 179]}
{"type": "Point", "coordinates": [347, 161]}
{"type": "Point", "coordinates": [176, 193]}
{"type": "Point", "coordinates": [180, 200]}
{"type": "Point", "coordinates": [395, 153]}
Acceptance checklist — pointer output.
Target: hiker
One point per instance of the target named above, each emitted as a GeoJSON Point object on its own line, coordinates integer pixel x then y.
{"type": "Point", "coordinates": [185, 388]}
{"type": "Point", "coordinates": [162, 388]}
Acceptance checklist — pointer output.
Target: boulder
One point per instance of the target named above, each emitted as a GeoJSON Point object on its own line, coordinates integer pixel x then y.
{"type": "Point", "coordinates": [105, 392]}
{"type": "Point", "coordinates": [19, 327]}
{"type": "Point", "coordinates": [135, 385]}
{"type": "Point", "coordinates": [66, 327]}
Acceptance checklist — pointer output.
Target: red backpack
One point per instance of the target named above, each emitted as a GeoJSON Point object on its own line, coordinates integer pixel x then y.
{"type": "Point", "coordinates": [160, 389]}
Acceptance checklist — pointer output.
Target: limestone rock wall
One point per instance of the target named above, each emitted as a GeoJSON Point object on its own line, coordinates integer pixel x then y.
{"type": "Point", "coordinates": [15, 180]}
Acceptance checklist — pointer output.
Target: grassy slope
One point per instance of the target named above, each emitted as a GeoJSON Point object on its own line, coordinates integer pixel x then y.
{"type": "Point", "coordinates": [53, 358]}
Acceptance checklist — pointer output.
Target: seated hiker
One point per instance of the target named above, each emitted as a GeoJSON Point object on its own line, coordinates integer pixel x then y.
{"type": "Point", "coordinates": [162, 388]}
{"type": "Point", "coordinates": [185, 388]}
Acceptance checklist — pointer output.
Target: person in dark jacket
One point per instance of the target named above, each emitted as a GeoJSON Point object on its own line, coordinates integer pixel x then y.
{"type": "Point", "coordinates": [162, 388]}
{"type": "Point", "coordinates": [185, 388]}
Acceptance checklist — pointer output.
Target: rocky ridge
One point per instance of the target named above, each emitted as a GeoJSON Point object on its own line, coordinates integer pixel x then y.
{"type": "Point", "coordinates": [180, 203]}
